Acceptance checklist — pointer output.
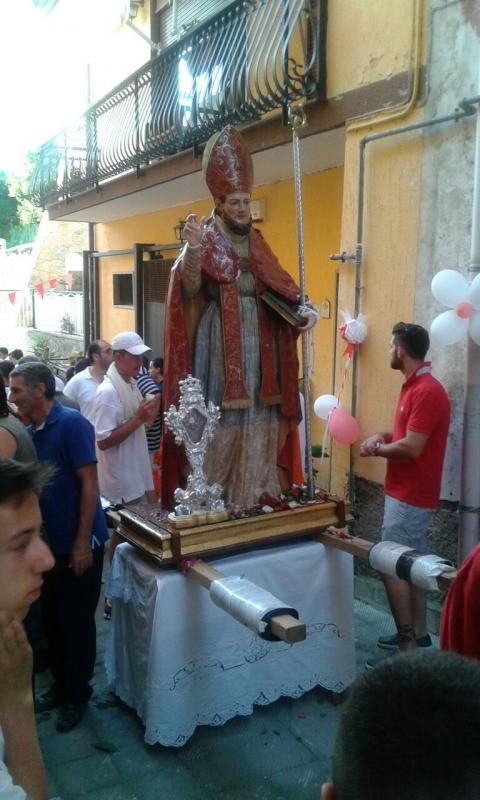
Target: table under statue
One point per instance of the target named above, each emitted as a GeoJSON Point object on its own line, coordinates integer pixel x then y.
{"type": "Point", "coordinates": [180, 661]}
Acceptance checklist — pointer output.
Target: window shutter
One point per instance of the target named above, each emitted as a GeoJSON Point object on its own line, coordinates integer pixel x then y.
{"type": "Point", "coordinates": [190, 14]}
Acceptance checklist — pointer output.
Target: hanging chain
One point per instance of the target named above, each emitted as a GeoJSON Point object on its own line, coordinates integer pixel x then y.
{"type": "Point", "coordinates": [297, 119]}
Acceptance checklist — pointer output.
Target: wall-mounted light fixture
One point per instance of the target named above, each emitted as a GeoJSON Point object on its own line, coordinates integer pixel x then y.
{"type": "Point", "coordinates": [134, 5]}
{"type": "Point", "coordinates": [178, 230]}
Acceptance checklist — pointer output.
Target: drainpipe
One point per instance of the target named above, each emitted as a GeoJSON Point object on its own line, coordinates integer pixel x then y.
{"type": "Point", "coordinates": [470, 486]}
{"type": "Point", "coordinates": [88, 289]}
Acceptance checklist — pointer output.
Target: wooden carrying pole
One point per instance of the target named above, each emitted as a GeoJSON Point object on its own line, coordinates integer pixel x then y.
{"type": "Point", "coordinates": [360, 548]}
{"type": "Point", "coordinates": [284, 627]}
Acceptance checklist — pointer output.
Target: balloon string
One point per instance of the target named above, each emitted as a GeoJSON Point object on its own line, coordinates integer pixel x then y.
{"type": "Point", "coordinates": [325, 435]}
{"type": "Point", "coordinates": [339, 396]}
{"type": "Point", "coordinates": [344, 378]}
{"type": "Point", "coordinates": [311, 347]}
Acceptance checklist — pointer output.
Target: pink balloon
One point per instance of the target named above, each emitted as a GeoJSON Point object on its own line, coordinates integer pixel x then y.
{"type": "Point", "coordinates": [342, 426]}
{"type": "Point", "coordinates": [464, 310]}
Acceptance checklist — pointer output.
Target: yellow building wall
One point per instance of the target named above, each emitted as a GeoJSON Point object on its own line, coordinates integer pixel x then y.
{"type": "Point", "coordinates": [387, 280]}
{"type": "Point", "coordinates": [367, 41]}
{"type": "Point", "coordinates": [322, 203]}
{"type": "Point", "coordinates": [114, 318]}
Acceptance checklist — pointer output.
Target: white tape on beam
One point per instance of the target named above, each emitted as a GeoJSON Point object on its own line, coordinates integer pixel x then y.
{"type": "Point", "coordinates": [245, 601]}
{"type": "Point", "coordinates": [404, 563]}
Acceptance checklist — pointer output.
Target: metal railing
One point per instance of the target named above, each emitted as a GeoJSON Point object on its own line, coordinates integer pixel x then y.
{"type": "Point", "coordinates": [251, 58]}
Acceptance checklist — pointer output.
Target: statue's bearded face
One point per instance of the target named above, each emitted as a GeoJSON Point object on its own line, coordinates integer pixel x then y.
{"type": "Point", "coordinates": [234, 209]}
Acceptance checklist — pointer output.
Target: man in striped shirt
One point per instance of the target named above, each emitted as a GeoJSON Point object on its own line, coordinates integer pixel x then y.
{"type": "Point", "coordinates": [149, 389]}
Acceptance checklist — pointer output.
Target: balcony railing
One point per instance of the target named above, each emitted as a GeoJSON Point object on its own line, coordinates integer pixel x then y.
{"type": "Point", "coordinates": [251, 58]}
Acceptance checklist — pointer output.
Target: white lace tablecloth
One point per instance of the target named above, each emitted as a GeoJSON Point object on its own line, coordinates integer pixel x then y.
{"type": "Point", "coordinates": [180, 661]}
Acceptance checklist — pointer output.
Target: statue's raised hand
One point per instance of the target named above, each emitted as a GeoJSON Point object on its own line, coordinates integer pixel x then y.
{"type": "Point", "coordinates": [193, 231]}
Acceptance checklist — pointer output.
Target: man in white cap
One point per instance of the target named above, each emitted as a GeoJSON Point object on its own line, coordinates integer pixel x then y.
{"type": "Point", "coordinates": [120, 415]}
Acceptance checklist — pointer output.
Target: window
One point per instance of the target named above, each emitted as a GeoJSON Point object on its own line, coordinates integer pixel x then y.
{"type": "Point", "coordinates": [123, 289]}
{"type": "Point", "coordinates": [175, 19]}
{"type": "Point", "coordinates": [156, 276]}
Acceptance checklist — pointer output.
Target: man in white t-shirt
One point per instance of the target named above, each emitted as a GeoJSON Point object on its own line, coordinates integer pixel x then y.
{"type": "Point", "coordinates": [82, 388]}
{"type": "Point", "coordinates": [120, 415]}
{"type": "Point", "coordinates": [24, 556]}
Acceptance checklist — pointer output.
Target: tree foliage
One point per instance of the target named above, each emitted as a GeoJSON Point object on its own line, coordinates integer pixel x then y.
{"type": "Point", "coordinates": [20, 188]}
{"type": "Point", "coordinates": [8, 209]}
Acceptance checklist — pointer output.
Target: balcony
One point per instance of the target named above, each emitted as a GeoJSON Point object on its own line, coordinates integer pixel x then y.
{"type": "Point", "coordinates": [250, 59]}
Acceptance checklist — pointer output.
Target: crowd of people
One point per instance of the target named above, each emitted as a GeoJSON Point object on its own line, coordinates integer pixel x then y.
{"type": "Point", "coordinates": [411, 727]}
{"type": "Point", "coordinates": [91, 430]}
{"type": "Point", "coordinates": [131, 386]}
{"type": "Point", "coordinates": [56, 461]}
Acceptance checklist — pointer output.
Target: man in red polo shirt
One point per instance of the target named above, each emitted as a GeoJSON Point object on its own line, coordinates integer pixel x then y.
{"type": "Point", "coordinates": [414, 453]}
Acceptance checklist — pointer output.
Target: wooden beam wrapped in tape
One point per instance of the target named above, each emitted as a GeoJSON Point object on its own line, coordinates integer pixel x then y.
{"type": "Point", "coordinates": [360, 548]}
{"type": "Point", "coordinates": [284, 626]}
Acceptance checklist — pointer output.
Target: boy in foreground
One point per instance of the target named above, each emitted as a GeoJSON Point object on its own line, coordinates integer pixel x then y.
{"type": "Point", "coordinates": [24, 557]}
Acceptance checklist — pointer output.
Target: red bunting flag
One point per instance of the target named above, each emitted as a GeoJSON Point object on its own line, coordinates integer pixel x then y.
{"type": "Point", "coordinates": [40, 289]}
{"type": "Point", "coordinates": [11, 297]}
{"type": "Point", "coordinates": [52, 282]}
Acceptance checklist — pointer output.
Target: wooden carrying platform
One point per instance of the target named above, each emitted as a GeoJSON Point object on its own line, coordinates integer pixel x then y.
{"type": "Point", "coordinates": [160, 539]}
{"type": "Point", "coordinates": [168, 545]}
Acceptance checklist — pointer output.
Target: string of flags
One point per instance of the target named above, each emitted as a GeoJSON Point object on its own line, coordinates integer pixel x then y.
{"type": "Point", "coordinates": [41, 288]}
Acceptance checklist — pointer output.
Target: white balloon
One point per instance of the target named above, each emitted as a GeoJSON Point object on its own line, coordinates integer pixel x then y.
{"type": "Point", "coordinates": [474, 292]}
{"type": "Point", "coordinates": [474, 328]}
{"type": "Point", "coordinates": [324, 404]}
{"type": "Point", "coordinates": [447, 328]}
{"type": "Point", "coordinates": [449, 287]}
